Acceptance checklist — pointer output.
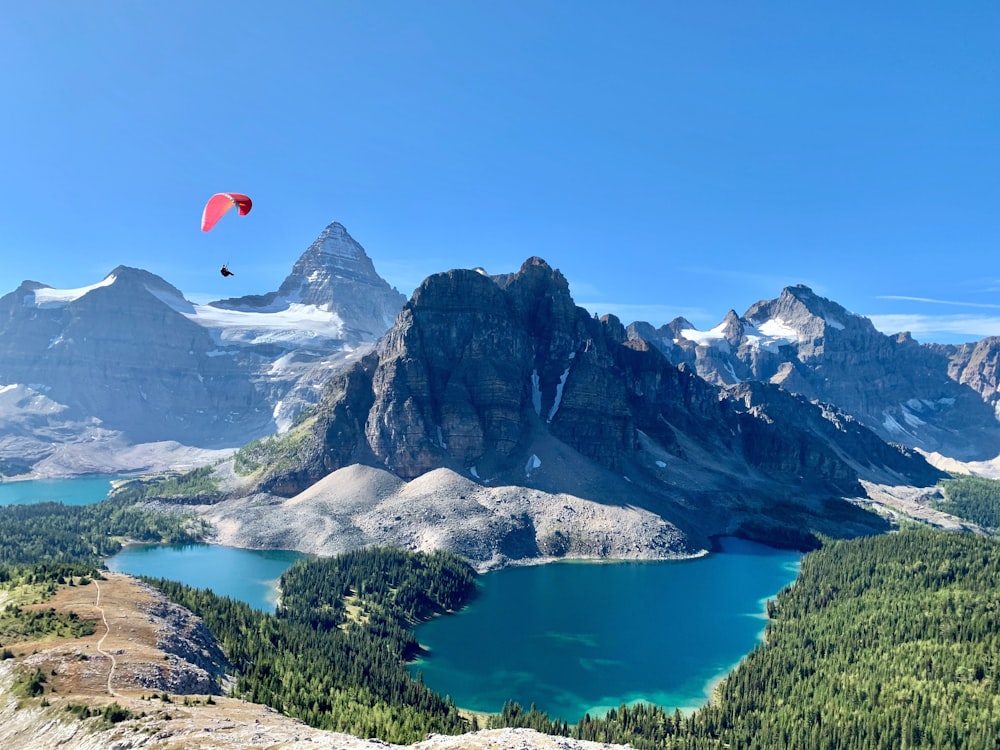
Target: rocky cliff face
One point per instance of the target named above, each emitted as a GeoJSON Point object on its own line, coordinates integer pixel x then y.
{"type": "Point", "coordinates": [118, 353]}
{"type": "Point", "coordinates": [505, 381]}
{"type": "Point", "coordinates": [809, 345]}
{"type": "Point", "coordinates": [976, 365]}
{"type": "Point", "coordinates": [128, 360]}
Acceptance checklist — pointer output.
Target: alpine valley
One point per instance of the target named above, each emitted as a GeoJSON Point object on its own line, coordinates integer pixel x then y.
{"type": "Point", "coordinates": [488, 415]}
{"type": "Point", "coordinates": [488, 421]}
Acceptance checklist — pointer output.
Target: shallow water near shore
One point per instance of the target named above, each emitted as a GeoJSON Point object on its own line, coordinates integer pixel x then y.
{"type": "Point", "coordinates": [578, 638]}
{"type": "Point", "coordinates": [250, 576]}
{"type": "Point", "coordinates": [74, 491]}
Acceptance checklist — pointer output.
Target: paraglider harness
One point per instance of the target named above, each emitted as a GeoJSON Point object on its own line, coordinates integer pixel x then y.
{"type": "Point", "coordinates": [225, 270]}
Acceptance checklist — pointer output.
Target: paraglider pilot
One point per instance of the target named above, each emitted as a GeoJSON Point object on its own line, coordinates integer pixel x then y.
{"type": "Point", "coordinates": [225, 270]}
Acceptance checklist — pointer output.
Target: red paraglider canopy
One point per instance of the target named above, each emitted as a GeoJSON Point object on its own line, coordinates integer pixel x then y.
{"type": "Point", "coordinates": [219, 203]}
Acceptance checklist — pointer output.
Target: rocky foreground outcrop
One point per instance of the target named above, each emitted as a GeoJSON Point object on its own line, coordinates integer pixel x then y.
{"type": "Point", "coordinates": [145, 635]}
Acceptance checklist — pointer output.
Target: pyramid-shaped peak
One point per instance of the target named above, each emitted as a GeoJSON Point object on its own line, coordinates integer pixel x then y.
{"type": "Point", "coordinates": [336, 242]}
{"type": "Point", "coordinates": [795, 302]}
{"type": "Point", "coordinates": [332, 258]}
{"type": "Point", "coordinates": [813, 302]}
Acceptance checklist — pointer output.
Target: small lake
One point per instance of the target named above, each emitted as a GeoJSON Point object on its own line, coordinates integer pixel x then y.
{"type": "Point", "coordinates": [76, 491]}
{"type": "Point", "coordinates": [250, 576]}
{"type": "Point", "coordinates": [577, 638]}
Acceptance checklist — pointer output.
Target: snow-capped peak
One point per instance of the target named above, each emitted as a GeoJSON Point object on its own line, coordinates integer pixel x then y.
{"type": "Point", "coordinates": [335, 241]}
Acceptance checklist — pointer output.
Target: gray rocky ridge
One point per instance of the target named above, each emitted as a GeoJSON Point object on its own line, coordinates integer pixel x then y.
{"type": "Point", "coordinates": [935, 398]}
{"type": "Point", "coordinates": [499, 420]}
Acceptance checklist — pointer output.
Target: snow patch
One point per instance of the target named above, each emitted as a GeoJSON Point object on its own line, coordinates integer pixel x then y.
{"type": "Point", "coordinates": [473, 472]}
{"type": "Point", "coordinates": [892, 425]}
{"type": "Point", "coordinates": [284, 322]}
{"type": "Point", "coordinates": [662, 464]}
{"type": "Point", "coordinates": [281, 364]}
{"type": "Point", "coordinates": [49, 297]}
{"type": "Point", "coordinates": [713, 337]}
{"type": "Point", "coordinates": [770, 335]}
{"type": "Point", "coordinates": [533, 463]}
{"type": "Point", "coordinates": [731, 371]}
{"type": "Point", "coordinates": [834, 323]}
{"type": "Point", "coordinates": [559, 393]}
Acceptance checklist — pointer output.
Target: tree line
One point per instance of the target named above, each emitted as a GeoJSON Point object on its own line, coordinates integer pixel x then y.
{"type": "Point", "coordinates": [53, 532]}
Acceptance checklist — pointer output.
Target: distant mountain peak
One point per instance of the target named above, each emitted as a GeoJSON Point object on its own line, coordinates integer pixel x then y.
{"type": "Point", "coordinates": [128, 275]}
{"type": "Point", "coordinates": [333, 258]}
{"type": "Point", "coordinates": [802, 309]}
{"type": "Point", "coordinates": [334, 275]}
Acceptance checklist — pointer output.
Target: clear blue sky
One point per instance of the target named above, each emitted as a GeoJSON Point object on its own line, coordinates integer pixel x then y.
{"type": "Point", "coordinates": [671, 158]}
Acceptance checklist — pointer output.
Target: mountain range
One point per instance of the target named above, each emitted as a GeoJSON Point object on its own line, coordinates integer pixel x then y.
{"type": "Point", "coordinates": [127, 375]}
{"type": "Point", "coordinates": [499, 420]}
{"type": "Point", "coordinates": [940, 399]}
{"type": "Point", "coordinates": [486, 414]}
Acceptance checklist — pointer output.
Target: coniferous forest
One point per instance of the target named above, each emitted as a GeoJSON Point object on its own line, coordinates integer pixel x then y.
{"type": "Point", "coordinates": [882, 642]}
{"type": "Point", "coordinates": [335, 653]}
{"type": "Point", "coordinates": [975, 499]}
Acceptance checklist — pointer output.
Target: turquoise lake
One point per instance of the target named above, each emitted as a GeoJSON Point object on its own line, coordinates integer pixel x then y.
{"type": "Point", "coordinates": [79, 491]}
{"type": "Point", "coordinates": [571, 638]}
{"type": "Point", "coordinates": [248, 575]}
{"type": "Point", "coordinates": [574, 638]}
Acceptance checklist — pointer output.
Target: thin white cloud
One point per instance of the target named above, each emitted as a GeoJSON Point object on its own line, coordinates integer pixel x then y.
{"type": "Point", "coordinates": [930, 327]}
{"type": "Point", "coordinates": [905, 298]}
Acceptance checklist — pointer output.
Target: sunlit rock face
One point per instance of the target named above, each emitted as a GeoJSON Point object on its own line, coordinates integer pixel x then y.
{"type": "Point", "coordinates": [116, 351]}
{"type": "Point", "coordinates": [130, 358]}
{"type": "Point", "coordinates": [934, 398]}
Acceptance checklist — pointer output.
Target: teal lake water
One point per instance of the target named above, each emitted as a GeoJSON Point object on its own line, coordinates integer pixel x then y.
{"type": "Point", "coordinates": [571, 638]}
{"type": "Point", "coordinates": [574, 638]}
{"type": "Point", "coordinates": [247, 575]}
{"type": "Point", "coordinates": [79, 491]}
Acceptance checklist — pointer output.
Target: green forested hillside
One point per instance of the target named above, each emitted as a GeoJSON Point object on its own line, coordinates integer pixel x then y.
{"type": "Point", "coordinates": [975, 499]}
{"type": "Point", "coordinates": [53, 532]}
